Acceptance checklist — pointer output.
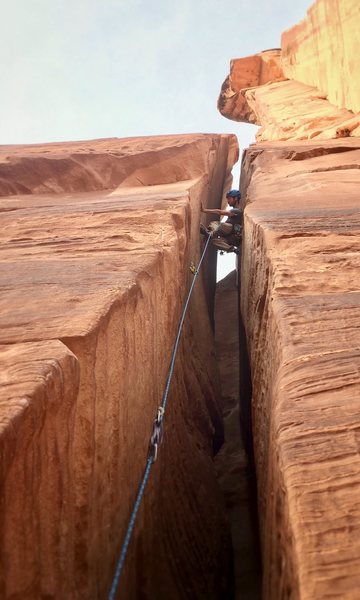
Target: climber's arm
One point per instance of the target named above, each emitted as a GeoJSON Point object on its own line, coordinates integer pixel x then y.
{"type": "Point", "coordinates": [216, 211]}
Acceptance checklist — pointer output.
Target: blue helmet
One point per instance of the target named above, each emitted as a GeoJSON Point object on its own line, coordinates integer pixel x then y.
{"type": "Point", "coordinates": [233, 194]}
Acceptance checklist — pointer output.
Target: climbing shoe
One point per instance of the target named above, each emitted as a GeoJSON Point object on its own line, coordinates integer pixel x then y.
{"type": "Point", "coordinates": [203, 230]}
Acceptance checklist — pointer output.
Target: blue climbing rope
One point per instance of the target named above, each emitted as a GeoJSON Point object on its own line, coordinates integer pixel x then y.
{"type": "Point", "coordinates": [176, 345]}
{"type": "Point", "coordinates": [155, 440]}
{"type": "Point", "coordinates": [130, 528]}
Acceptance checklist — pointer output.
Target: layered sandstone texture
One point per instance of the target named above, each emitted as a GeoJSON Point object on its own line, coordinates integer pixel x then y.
{"type": "Point", "coordinates": [97, 239]}
{"type": "Point", "coordinates": [300, 303]}
{"type": "Point", "coordinates": [246, 73]}
{"type": "Point", "coordinates": [308, 89]}
{"type": "Point", "coordinates": [301, 308]}
{"type": "Point", "coordinates": [323, 51]}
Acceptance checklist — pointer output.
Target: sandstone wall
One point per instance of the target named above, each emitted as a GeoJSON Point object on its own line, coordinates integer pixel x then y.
{"type": "Point", "coordinates": [105, 164]}
{"type": "Point", "coordinates": [290, 110]}
{"type": "Point", "coordinates": [300, 302]}
{"type": "Point", "coordinates": [246, 73]}
{"type": "Point", "coordinates": [284, 109]}
{"type": "Point", "coordinates": [301, 309]}
{"type": "Point", "coordinates": [323, 51]}
{"type": "Point", "coordinates": [308, 90]}
{"type": "Point", "coordinates": [92, 285]}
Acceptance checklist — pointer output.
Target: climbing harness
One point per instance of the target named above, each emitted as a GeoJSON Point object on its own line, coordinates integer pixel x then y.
{"type": "Point", "coordinates": [156, 437]}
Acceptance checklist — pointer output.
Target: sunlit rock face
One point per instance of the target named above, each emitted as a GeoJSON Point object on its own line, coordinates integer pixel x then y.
{"type": "Point", "coordinates": [301, 310]}
{"type": "Point", "coordinates": [97, 240]}
{"type": "Point", "coordinates": [106, 164]}
{"type": "Point", "coordinates": [323, 50]}
{"type": "Point", "coordinates": [300, 303]}
{"type": "Point", "coordinates": [310, 89]}
{"type": "Point", "coordinates": [290, 110]}
{"type": "Point", "coordinates": [245, 73]}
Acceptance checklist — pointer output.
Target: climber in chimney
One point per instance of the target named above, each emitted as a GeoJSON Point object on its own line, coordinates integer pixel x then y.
{"type": "Point", "coordinates": [226, 236]}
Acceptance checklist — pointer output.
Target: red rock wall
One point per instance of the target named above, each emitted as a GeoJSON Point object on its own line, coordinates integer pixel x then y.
{"type": "Point", "coordinates": [106, 164]}
{"type": "Point", "coordinates": [290, 110]}
{"type": "Point", "coordinates": [301, 309]}
{"type": "Point", "coordinates": [92, 288]}
{"type": "Point", "coordinates": [322, 51]}
{"type": "Point", "coordinates": [39, 386]}
{"type": "Point", "coordinates": [247, 73]}
{"type": "Point", "coordinates": [308, 90]}
{"type": "Point", "coordinates": [301, 303]}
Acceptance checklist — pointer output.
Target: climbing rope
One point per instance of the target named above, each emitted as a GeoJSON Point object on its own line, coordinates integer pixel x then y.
{"type": "Point", "coordinates": [155, 439]}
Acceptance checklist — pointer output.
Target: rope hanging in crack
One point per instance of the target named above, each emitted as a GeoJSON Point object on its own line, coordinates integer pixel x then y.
{"type": "Point", "coordinates": [156, 437]}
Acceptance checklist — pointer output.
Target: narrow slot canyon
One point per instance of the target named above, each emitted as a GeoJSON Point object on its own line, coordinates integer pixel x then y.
{"type": "Point", "coordinates": [91, 292]}
{"type": "Point", "coordinates": [255, 489]}
{"type": "Point", "coordinates": [234, 462]}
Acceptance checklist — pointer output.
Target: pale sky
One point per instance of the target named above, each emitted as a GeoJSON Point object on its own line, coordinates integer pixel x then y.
{"type": "Point", "coordinates": [81, 69]}
{"type": "Point", "coordinates": [84, 69]}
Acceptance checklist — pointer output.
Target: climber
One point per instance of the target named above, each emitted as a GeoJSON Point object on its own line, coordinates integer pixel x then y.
{"type": "Point", "coordinates": [226, 236]}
